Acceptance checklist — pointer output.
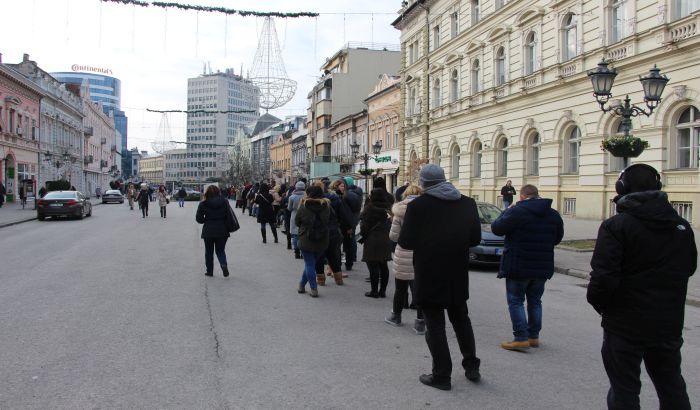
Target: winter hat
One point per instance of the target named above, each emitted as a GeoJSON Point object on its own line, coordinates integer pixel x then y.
{"type": "Point", "coordinates": [314, 192]}
{"type": "Point", "coordinates": [349, 181]}
{"type": "Point", "coordinates": [300, 185]}
{"type": "Point", "coordinates": [431, 174]}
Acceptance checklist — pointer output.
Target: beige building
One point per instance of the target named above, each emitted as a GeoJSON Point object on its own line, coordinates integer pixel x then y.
{"type": "Point", "coordinates": [99, 147]}
{"type": "Point", "coordinates": [281, 157]}
{"type": "Point", "coordinates": [496, 90]}
{"type": "Point", "coordinates": [383, 108]}
{"type": "Point", "coordinates": [152, 169]}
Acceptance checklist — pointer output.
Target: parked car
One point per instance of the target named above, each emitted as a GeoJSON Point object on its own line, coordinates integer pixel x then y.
{"type": "Point", "coordinates": [193, 195]}
{"type": "Point", "coordinates": [489, 250]}
{"type": "Point", "coordinates": [64, 203]}
{"type": "Point", "coordinates": [112, 195]}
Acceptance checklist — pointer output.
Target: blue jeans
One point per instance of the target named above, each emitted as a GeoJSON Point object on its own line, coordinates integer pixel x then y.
{"type": "Point", "coordinates": [181, 202]}
{"type": "Point", "coordinates": [309, 274]}
{"type": "Point", "coordinates": [295, 241]}
{"type": "Point", "coordinates": [506, 204]}
{"type": "Point", "coordinates": [209, 245]}
{"type": "Point", "coordinates": [517, 290]}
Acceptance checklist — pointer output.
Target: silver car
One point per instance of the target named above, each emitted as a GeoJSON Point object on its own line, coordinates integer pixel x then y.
{"type": "Point", "coordinates": [112, 195]}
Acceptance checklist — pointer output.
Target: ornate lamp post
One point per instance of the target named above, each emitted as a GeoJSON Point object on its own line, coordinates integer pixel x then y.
{"type": "Point", "coordinates": [376, 149]}
{"type": "Point", "coordinates": [653, 84]}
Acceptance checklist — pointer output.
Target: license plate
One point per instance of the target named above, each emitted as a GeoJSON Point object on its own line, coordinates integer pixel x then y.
{"type": "Point", "coordinates": [55, 204]}
{"type": "Point", "coordinates": [499, 251]}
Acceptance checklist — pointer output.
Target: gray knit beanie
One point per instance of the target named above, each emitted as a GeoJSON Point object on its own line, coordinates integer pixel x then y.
{"type": "Point", "coordinates": [431, 174]}
{"type": "Point", "coordinates": [300, 185]}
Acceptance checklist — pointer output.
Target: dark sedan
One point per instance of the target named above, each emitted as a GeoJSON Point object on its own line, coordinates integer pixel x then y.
{"type": "Point", "coordinates": [64, 203]}
{"type": "Point", "coordinates": [490, 249]}
{"type": "Point", "coordinates": [113, 195]}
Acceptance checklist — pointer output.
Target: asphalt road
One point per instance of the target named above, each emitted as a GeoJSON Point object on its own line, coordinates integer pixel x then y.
{"type": "Point", "coordinates": [114, 312]}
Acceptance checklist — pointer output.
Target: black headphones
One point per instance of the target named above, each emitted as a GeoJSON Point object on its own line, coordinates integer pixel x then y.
{"type": "Point", "coordinates": [620, 187]}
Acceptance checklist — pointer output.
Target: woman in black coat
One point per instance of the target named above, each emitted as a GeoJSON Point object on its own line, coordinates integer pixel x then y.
{"type": "Point", "coordinates": [142, 200]}
{"type": "Point", "coordinates": [212, 212]}
{"type": "Point", "coordinates": [374, 229]}
{"type": "Point", "coordinates": [266, 212]}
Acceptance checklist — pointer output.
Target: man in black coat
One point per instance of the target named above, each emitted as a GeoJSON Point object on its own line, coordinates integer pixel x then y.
{"type": "Point", "coordinates": [532, 229]}
{"type": "Point", "coordinates": [641, 264]}
{"type": "Point", "coordinates": [507, 192]}
{"type": "Point", "coordinates": [439, 227]}
{"type": "Point", "coordinates": [353, 200]}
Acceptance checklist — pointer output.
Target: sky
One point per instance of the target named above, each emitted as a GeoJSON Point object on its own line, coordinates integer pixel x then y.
{"type": "Point", "coordinates": [153, 51]}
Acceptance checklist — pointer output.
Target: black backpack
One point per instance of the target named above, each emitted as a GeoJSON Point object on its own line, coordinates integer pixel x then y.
{"type": "Point", "coordinates": [319, 230]}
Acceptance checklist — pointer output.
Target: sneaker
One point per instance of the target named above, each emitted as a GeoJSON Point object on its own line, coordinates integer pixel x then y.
{"type": "Point", "coordinates": [224, 268]}
{"type": "Point", "coordinates": [301, 289]}
{"type": "Point", "coordinates": [372, 294]}
{"type": "Point", "coordinates": [429, 380]}
{"type": "Point", "coordinates": [419, 326]}
{"type": "Point", "coordinates": [473, 375]}
{"type": "Point", "coordinates": [313, 293]}
{"type": "Point", "coordinates": [393, 319]}
{"type": "Point", "coordinates": [516, 345]}
{"type": "Point", "coordinates": [534, 342]}
{"type": "Point", "coordinates": [208, 274]}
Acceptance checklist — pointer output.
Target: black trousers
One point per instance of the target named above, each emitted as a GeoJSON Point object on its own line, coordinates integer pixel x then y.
{"type": "Point", "coordinates": [377, 271]}
{"type": "Point", "coordinates": [436, 338]}
{"type": "Point", "coordinates": [331, 255]}
{"type": "Point", "coordinates": [144, 209]}
{"type": "Point", "coordinates": [623, 358]}
{"type": "Point", "coordinates": [401, 297]}
{"type": "Point", "coordinates": [163, 212]}
{"type": "Point", "coordinates": [350, 247]}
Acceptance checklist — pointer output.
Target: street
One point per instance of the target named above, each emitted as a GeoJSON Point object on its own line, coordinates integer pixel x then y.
{"type": "Point", "coordinates": [114, 311]}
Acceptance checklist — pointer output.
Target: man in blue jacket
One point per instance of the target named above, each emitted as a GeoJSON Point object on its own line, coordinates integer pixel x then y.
{"type": "Point", "coordinates": [531, 229]}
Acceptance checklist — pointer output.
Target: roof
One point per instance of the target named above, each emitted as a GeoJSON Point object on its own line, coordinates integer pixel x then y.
{"type": "Point", "coordinates": [264, 122]}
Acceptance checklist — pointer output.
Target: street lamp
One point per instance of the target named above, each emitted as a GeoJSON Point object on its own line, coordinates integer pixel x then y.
{"type": "Point", "coordinates": [653, 84]}
{"type": "Point", "coordinates": [376, 149]}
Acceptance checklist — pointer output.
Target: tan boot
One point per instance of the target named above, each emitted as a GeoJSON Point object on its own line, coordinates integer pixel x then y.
{"type": "Point", "coordinates": [338, 276]}
{"type": "Point", "coordinates": [321, 279]}
{"type": "Point", "coordinates": [534, 342]}
{"type": "Point", "coordinates": [516, 345]}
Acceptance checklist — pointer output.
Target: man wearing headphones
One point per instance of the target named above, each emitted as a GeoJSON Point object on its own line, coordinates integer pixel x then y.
{"type": "Point", "coordinates": [643, 258]}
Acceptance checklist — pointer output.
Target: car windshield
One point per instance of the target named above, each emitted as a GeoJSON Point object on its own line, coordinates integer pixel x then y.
{"type": "Point", "coordinates": [113, 191]}
{"type": "Point", "coordinates": [60, 195]}
{"type": "Point", "coordinates": [488, 213]}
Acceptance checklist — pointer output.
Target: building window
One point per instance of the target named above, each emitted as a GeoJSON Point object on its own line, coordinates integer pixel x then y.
{"type": "Point", "coordinates": [500, 66]}
{"type": "Point", "coordinates": [436, 93]}
{"type": "Point", "coordinates": [476, 87]}
{"type": "Point", "coordinates": [454, 86]}
{"type": "Point", "coordinates": [436, 156]}
{"type": "Point", "coordinates": [569, 37]}
{"type": "Point", "coordinates": [572, 147]}
{"type": "Point", "coordinates": [410, 107]}
{"type": "Point", "coordinates": [687, 134]}
{"type": "Point", "coordinates": [454, 163]}
{"type": "Point", "coordinates": [436, 37]}
{"type": "Point", "coordinates": [533, 154]}
{"type": "Point", "coordinates": [454, 24]}
{"type": "Point", "coordinates": [683, 8]}
{"type": "Point", "coordinates": [570, 206]}
{"type": "Point", "coordinates": [502, 157]}
{"type": "Point", "coordinates": [500, 3]}
{"type": "Point", "coordinates": [476, 160]}
{"type": "Point", "coordinates": [530, 52]}
{"type": "Point", "coordinates": [475, 11]}
{"type": "Point", "coordinates": [396, 136]}
{"type": "Point", "coordinates": [410, 54]}
{"type": "Point", "coordinates": [618, 21]}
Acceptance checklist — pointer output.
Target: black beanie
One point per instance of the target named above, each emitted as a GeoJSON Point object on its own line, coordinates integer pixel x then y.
{"type": "Point", "coordinates": [639, 178]}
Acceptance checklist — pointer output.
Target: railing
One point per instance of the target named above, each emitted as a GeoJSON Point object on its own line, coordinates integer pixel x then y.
{"type": "Point", "coordinates": [530, 82]}
{"type": "Point", "coordinates": [685, 31]}
{"type": "Point", "coordinates": [568, 70]}
{"type": "Point", "coordinates": [617, 54]}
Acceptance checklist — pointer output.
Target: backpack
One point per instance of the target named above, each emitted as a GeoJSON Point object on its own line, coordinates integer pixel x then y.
{"type": "Point", "coordinates": [319, 230]}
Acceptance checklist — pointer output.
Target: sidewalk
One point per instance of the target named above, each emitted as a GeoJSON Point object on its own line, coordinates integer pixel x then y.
{"type": "Point", "coordinates": [578, 263]}
{"type": "Point", "coordinates": [12, 213]}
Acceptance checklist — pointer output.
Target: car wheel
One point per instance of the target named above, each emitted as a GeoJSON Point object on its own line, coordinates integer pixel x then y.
{"type": "Point", "coordinates": [89, 212]}
{"type": "Point", "coordinates": [80, 215]}
{"type": "Point", "coordinates": [41, 217]}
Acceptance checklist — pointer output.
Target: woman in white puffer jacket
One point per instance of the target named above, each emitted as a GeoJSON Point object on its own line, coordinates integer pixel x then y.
{"type": "Point", "coordinates": [403, 263]}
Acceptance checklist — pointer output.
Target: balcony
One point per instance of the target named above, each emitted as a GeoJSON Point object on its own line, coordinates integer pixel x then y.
{"type": "Point", "coordinates": [88, 131]}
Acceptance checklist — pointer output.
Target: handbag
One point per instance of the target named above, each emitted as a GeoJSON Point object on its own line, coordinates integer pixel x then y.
{"type": "Point", "coordinates": [232, 224]}
{"type": "Point", "coordinates": [167, 201]}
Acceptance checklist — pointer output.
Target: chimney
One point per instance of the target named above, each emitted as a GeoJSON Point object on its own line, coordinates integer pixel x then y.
{"type": "Point", "coordinates": [25, 57]}
{"type": "Point", "coordinates": [0, 58]}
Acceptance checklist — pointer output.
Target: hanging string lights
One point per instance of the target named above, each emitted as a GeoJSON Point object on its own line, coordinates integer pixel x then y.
{"type": "Point", "coordinates": [244, 13]}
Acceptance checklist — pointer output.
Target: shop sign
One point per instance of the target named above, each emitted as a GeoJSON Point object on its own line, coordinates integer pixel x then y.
{"type": "Point", "coordinates": [386, 158]}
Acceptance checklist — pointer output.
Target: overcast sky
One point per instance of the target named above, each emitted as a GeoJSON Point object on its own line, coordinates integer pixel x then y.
{"type": "Point", "coordinates": [153, 51]}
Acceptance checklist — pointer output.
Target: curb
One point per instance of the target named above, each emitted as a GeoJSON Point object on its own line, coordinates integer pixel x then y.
{"type": "Point", "coordinates": [570, 249]}
{"type": "Point", "coordinates": [689, 300]}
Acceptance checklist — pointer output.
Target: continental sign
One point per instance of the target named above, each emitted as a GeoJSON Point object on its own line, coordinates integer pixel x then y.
{"type": "Point", "coordinates": [78, 67]}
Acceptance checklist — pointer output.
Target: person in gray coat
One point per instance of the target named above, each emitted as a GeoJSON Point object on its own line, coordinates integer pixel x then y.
{"type": "Point", "coordinates": [293, 205]}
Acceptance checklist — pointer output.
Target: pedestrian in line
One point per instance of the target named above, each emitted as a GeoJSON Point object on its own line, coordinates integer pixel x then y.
{"type": "Point", "coordinates": [286, 214]}
{"type": "Point", "coordinates": [293, 206]}
{"type": "Point", "coordinates": [532, 229]}
{"type": "Point", "coordinates": [338, 222]}
{"type": "Point", "coordinates": [252, 207]}
{"type": "Point", "coordinates": [163, 201]}
{"type": "Point", "coordinates": [403, 263]}
{"type": "Point", "coordinates": [181, 195]}
{"type": "Point", "coordinates": [312, 220]}
{"type": "Point", "coordinates": [266, 213]}
{"type": "Point", "coordinates": [98, 192]}
{"type": "Point", "coordinates": [3, 192]}
{"type": "Point", "coordinates": [439, 227]}
{"type": "Point", "coordinates": [641, 264]}
{"type": "Point", "coordinates": [130, 196]}
{"type": "Point", "coordinates": [398, 194]}
{"type": "Point", "coordinates": [507, 192]}
{"type": "Point", "coordinates": [352, 196]}
{"type": "Point", "coordinates": [22, 196]}
{"type": "Point", "coordinates": [380, 183]}
{"type": "Point", "coordinates": [376, 251]}
{"type": "Point", "coordinates": [276, 201]}
{"type": "Point", "coordinates": [150, 193]}
{"type": "Point", "coordinates": [212, 212]}
{"type": "Point", "coordinates": [244, 197]}
{"type": "Point", "coordinates": [142, 199]}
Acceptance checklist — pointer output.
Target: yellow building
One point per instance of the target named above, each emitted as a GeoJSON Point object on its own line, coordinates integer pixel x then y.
{"type": "Point", "coordinates": [281, 157]}
{"type": "Point", "coordinates": [152, 169]}
{"type": "Point", "coordinates": [495, 90]}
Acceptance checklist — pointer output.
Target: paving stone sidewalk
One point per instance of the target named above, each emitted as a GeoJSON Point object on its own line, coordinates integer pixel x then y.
{"type": "Point", "coordinates": [578, 263]}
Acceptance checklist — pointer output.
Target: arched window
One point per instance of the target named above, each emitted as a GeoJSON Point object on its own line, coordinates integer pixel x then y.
{"type": "Point", "coordinates": [687, 134]}
{"type": "Point", "coordinates": [500, 66]}
{"type": "Point", "coordinates": [476, 86]}
{"type": "Point", "coordinates": [569, 37]}
{"type": "Point", "coordinates": [573, 139]}
{"type": "Point", "coordinates": [454, 86]}
{"type": "Point", "coordinates": [454, 162]}
{"type": "Point", "coordinates": [502, 157]}
{"type": "Point", "coordinates": [530, 53]}
{"type": "Point", "coordinates": [533, 154]}
{"type": "Point", "coordinates": [436, 93]}
{"type": "Point", "coordinates": [436, 156]}
{"type": "Point", "coordinates": [476, 160]}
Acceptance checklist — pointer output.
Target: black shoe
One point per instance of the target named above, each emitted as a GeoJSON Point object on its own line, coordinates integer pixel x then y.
{"type": "Point", "coordinates": [473, 375]}
{"type": "Point", "coordinates": [208, 274]}
{"type": "Point", "coordinates": [297, 254]}
{"type": "Point", "coordinates": [382, 294]}
{"type": "Point", "coordinates": [372, 294]}
{"type": "Point", "coordinates": [368, 279]}
{"type": "Point", "coordinates": [348, 266]}
{"type": "Point", "coordinates": [393, 319]}
{"type": "Point", "coordinates": [225, 269]}
{"type": "Point", "coordinates": [429, 380]}
{"type": "Point", "coordinates": [412, 306]}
